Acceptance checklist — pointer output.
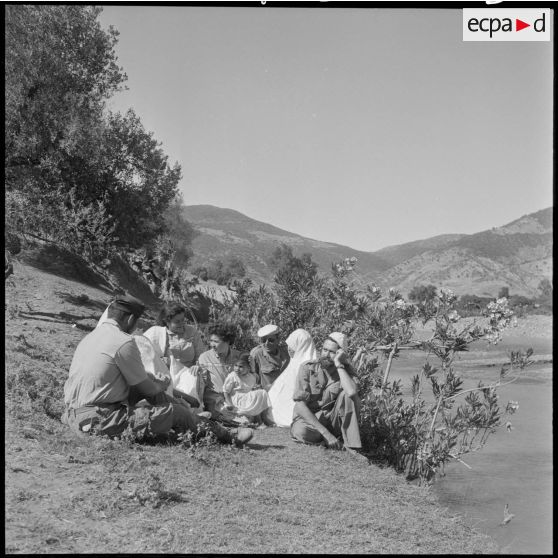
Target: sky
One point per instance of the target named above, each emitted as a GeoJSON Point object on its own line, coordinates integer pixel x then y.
{"type": "Point", "coordinates": [364, 127]}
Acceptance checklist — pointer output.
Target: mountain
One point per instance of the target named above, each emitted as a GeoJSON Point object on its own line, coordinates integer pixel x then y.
{"type": "Point", "coordinates": [517, 255]}
{"type": "Point", "coordinates": [225, 232]}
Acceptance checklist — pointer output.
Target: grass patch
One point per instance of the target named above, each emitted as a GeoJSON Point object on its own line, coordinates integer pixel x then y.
{"type": "Point", "coordinates": [69, 493]}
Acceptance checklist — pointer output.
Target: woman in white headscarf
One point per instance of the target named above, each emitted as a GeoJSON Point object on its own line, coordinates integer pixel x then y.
{"type": "Point", "coordinates": [302, 349]}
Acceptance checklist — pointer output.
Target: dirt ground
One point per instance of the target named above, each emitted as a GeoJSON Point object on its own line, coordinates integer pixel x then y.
{"type": "Point", "coordinates": [67, 493]}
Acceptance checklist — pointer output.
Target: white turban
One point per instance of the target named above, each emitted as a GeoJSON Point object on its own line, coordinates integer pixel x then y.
{"type": "Point", "coordinates": [340, 339]}
{"type": "Point", "coordinates": [267, 330]}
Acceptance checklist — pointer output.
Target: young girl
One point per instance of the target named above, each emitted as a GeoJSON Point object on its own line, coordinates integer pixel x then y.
{"type": "Point", "coordinates": [243, 395]}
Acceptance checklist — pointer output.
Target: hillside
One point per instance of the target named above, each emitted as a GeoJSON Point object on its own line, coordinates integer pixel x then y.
{"type": "Point", "coordinates": [225, 232]}
{"type": "Point", "coordinates": [517, 255]}
{"type": "Point", "coordinates": [72, 494]}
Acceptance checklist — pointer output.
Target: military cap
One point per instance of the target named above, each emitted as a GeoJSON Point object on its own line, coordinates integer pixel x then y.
{"type": "Point", "coordinates": [128, 303]}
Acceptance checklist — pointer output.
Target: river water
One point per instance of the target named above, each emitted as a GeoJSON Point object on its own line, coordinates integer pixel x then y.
{"type": "Point", "coordinates": [514, 467]}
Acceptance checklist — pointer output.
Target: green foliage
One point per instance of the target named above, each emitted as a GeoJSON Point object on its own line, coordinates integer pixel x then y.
{"type": "Point", "coordinates": [543, 303]}
{"type": "Point", "coordinates": [236, 267]}
{"type": "Point", "coordinates": [281, 256]}
{"type": "Point", "coordinates": [247, 308]}
{"type": "Point", "coordinates": [545, 287]}
{"type": "Point", "coordinates": [179, 232]}
{"type": "Point", "coordinates": [422, 293]}
{"type": "Point", "coordinates": [76, 174]}
{"type": "Point", "coordinates": [222, 272]}
{"type": "Point", "coordinates": [419, 433]}
{"type": "Point", "coordinates": [201, 272]}
{"type": "Point", "coordinates": [504, 292]}
{"type": "Point", "coordinates": [137, 180]}
{"type": "Point", "coordinates": [60, 67]}
{"type": "Point", "coordinates": [471, 305]}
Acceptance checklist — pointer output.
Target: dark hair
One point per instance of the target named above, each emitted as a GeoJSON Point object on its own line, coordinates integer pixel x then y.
{"type": "Point", "coordinates": [226, 332]}
{"type": "Point", "coordinates": [169, 311]}
{"type": "Point", "coordinates": [119, 314]}
{"type": "Point", "coordinates": [243, 358]}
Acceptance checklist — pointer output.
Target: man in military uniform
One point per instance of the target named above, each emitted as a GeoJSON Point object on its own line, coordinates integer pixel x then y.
{"type": "Point", "coordinates": [107, 369]}
{"type": "Point", "coordinates": [270, 357]}
{"type": "Point", "coordinates": [326, 400]}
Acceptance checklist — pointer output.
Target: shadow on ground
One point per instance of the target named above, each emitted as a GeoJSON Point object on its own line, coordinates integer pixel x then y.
{"type": "Point", "coordinates": [262, 447]}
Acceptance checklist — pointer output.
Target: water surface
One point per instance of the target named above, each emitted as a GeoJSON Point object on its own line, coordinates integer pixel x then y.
{"type": "Point", "coordinates": [515, 467]}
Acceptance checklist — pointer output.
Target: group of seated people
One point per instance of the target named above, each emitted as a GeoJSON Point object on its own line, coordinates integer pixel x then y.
{"type": "Point", "coordinates": [167, 380]}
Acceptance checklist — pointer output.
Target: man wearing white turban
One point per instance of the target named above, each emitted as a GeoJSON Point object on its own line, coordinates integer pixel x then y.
{"type": "Point", "coordinates": [301, 349]}
{"type": "Point", "coordinates": [270, 358]}
{"type": "Point", "coordinates": [326, 399]}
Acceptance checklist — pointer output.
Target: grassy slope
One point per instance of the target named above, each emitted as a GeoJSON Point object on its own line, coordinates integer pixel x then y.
{"type": "Point", "coordinates": [68, 493]}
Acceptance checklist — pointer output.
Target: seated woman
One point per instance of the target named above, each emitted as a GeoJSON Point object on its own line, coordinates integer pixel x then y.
{"type": "Point", "coordinates": [216, 364]}
{"type": "Point", "coordinates": [243, 395]}
{"type": "Point", "coordinates": [301, 350]}
{"type": "Point", "coordinates": [180, 345]}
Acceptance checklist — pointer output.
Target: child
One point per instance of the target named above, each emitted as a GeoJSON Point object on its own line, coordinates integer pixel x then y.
{"type": "Point", "coordinates": [243, 395]}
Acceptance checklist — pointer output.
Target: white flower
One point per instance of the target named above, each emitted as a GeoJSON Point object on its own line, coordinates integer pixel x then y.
{"type": "Point", "coordinates": [453, 316]}
{"type": "Point", "coordinates": [512, 406]}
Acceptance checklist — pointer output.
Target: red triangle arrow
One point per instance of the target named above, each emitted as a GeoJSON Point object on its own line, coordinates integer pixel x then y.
{"type": "Point", "coordinates": [519, 25]}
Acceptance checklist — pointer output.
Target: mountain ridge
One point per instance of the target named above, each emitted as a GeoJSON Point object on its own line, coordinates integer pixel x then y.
{"type": "Point", "coordinates": [517, 255]}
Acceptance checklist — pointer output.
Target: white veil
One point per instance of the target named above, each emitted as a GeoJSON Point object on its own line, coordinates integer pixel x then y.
{"type": "Point", "coordinates": [282, 390]}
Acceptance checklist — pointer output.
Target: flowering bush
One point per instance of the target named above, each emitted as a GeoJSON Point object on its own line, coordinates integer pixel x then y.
{"type": "Point", "coordinates": [419, 433]}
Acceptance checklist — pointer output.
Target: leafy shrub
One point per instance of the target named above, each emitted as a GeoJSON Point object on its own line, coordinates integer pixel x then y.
{"type": "Point", "coordinates": [422, 293]}
{"type": "Point", "coordinates": [222, 272]}
{"type": "Point", "coordinates": [77, 174]}
{"type": "Point", "coordinates": [416, 434]}
{"type": "Point", "coordinates": [471, 305]}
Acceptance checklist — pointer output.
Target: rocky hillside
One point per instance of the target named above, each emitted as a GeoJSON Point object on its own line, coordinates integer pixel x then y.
{"type": "Point", "coordinates": [517, 255]}
{"type": "Point", "coordinates": [225, 232]}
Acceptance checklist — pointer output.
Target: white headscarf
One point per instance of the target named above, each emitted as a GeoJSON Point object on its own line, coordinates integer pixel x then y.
{"type": "Point", "coordinates": [282, 390]}
{"type": "Point", "coordinates": [300, 342]}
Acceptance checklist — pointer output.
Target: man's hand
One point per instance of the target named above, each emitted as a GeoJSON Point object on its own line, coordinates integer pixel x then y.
{"type": "Point", "coordinates": [162, 382]}
{"type": "Point", "coordinates": [181, 396]}
{"type": "Point", "coordinates": [340, 358]}
{"type": "Point", "coordinates": [331, 441]}
{"type": "Point", "coordinates": [196, 370]}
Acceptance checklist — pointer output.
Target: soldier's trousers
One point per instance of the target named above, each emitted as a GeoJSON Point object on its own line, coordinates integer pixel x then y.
{"type": "Point", "coordinates": [342, 421]}
{"type": "Point", "coordinates": [112, 420]}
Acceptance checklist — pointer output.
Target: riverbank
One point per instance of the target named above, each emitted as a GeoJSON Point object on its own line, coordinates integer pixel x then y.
{"type": "Point", "coordinates": [534, 332]}
{"type": "Point", "coordinates": [76, 494]}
